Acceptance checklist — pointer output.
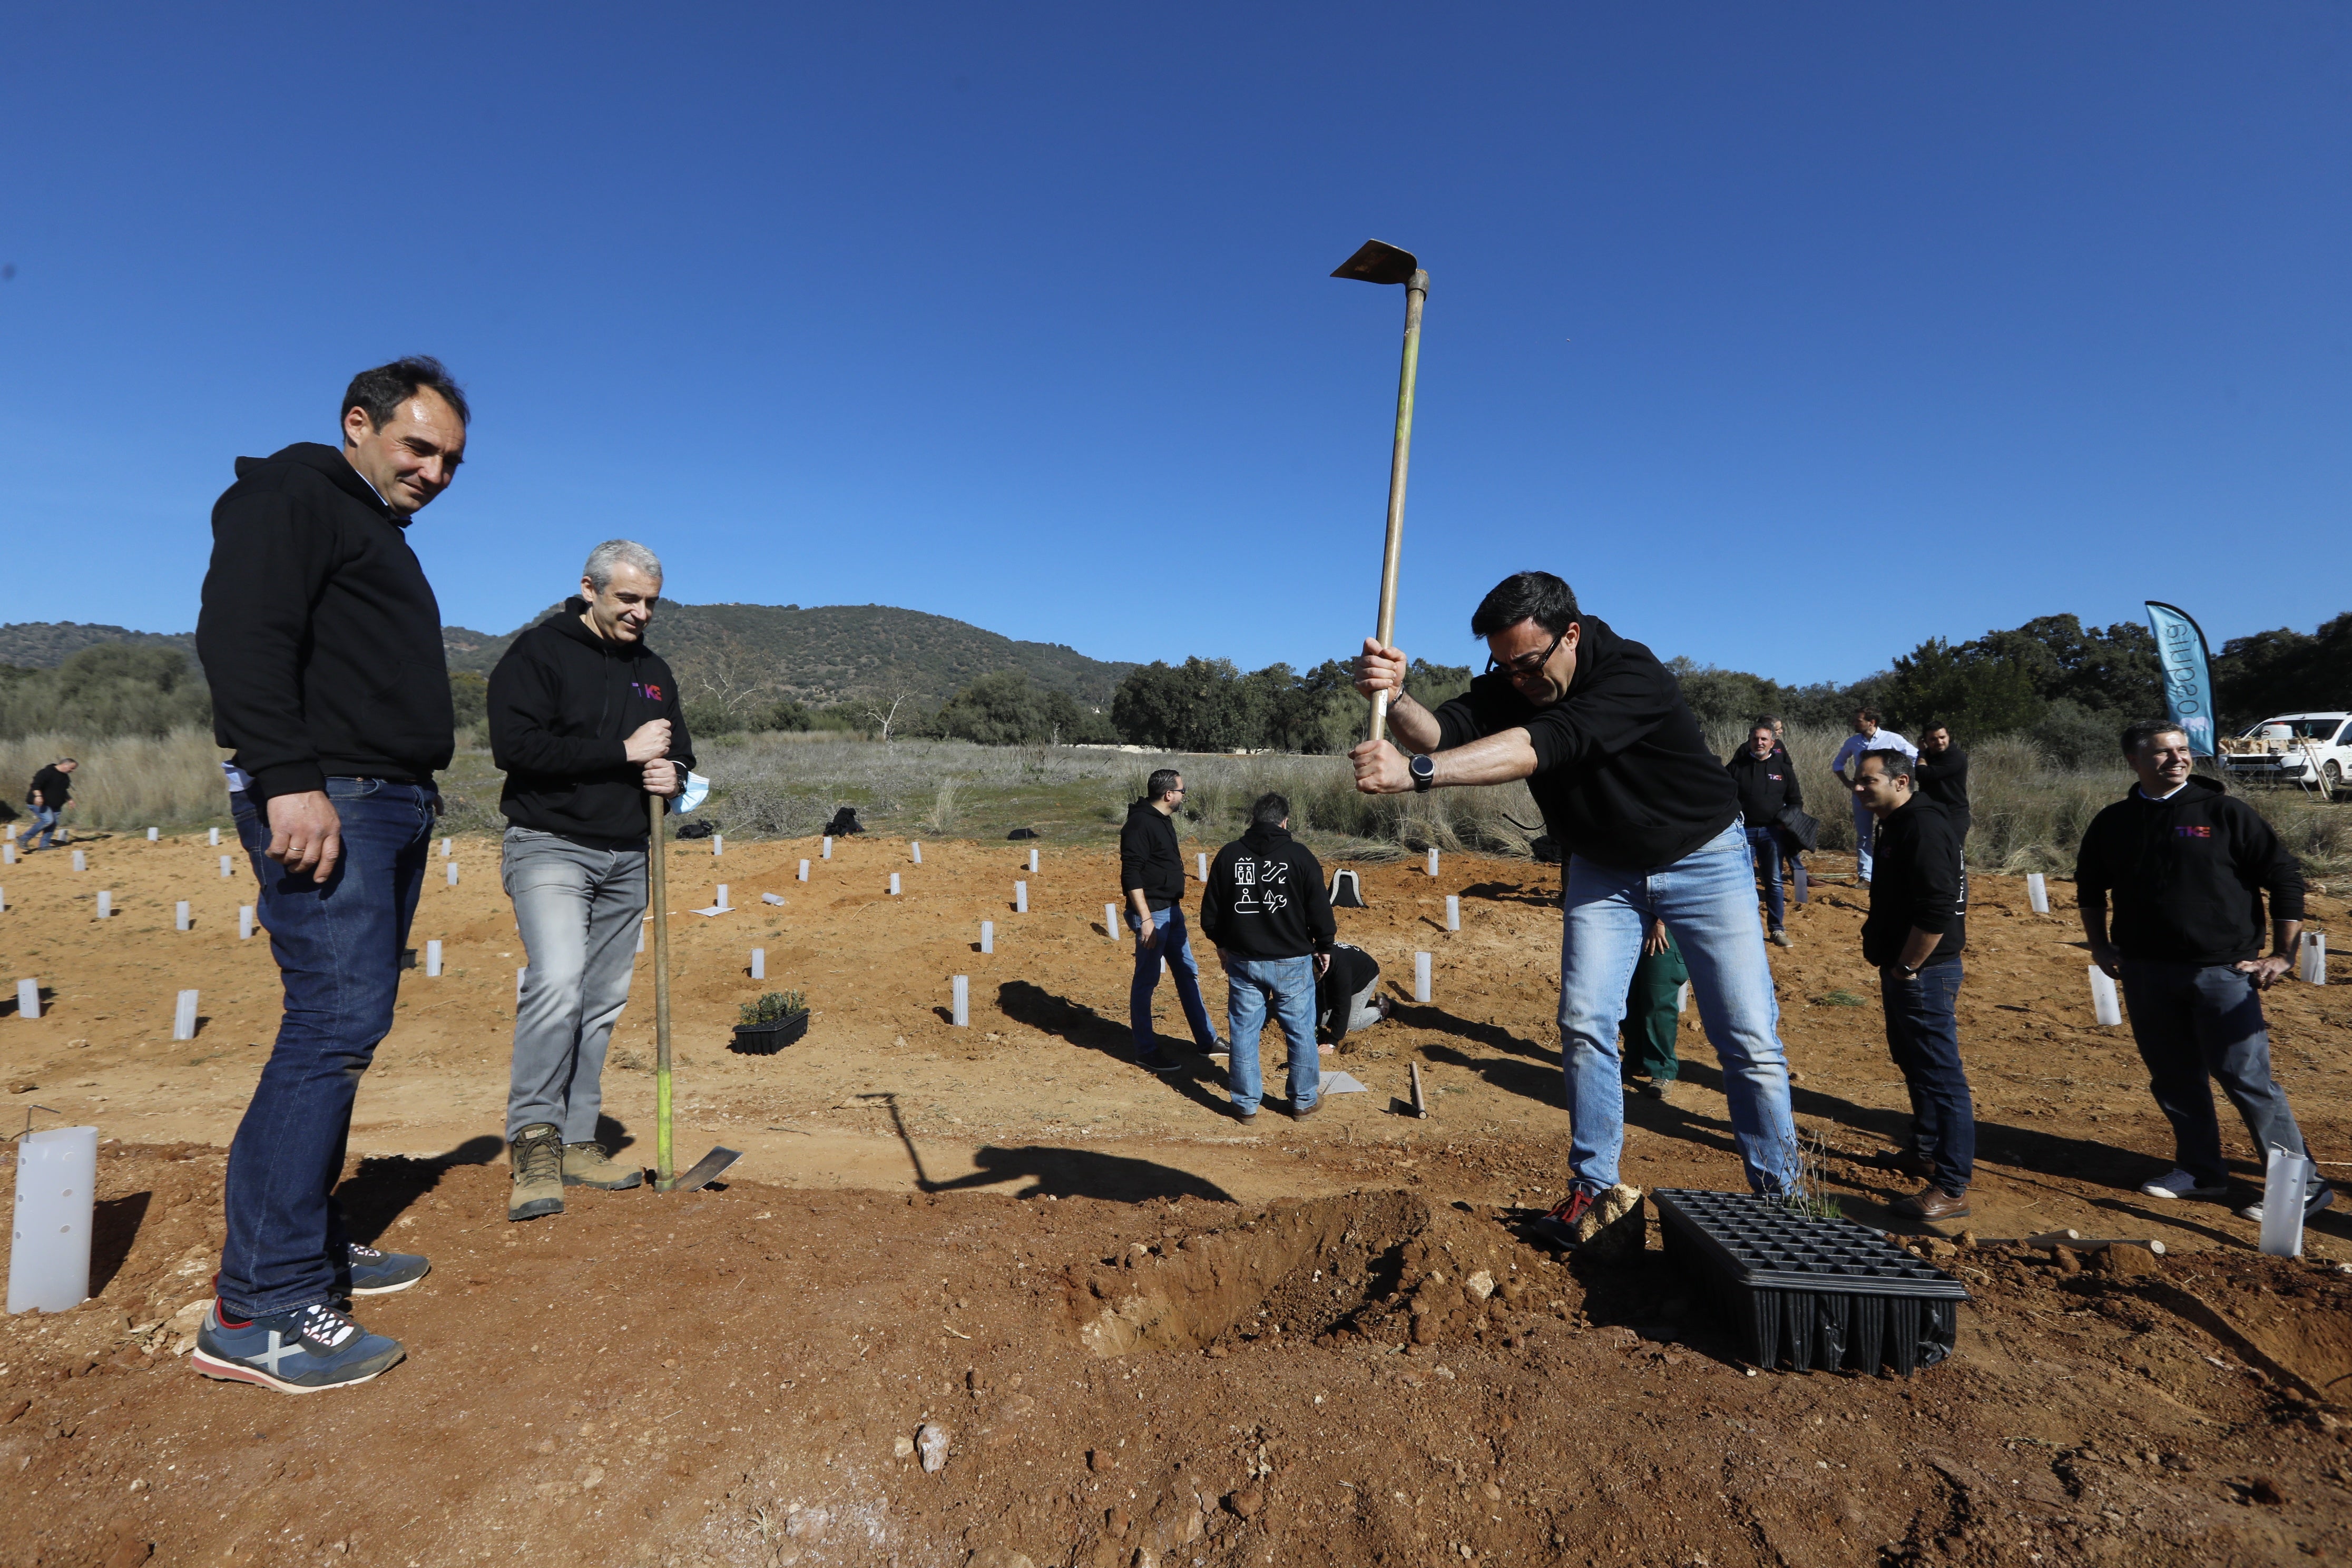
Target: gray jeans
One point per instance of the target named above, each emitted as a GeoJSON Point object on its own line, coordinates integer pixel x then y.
{"type": "Point", "coordinates": [578, 908]}
{"type": "Point", "coordinates": [2196, 1026]}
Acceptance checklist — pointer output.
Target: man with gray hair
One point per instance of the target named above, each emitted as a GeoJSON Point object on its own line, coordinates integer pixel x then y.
{"type": "Point", "coordinates": [585, 719]}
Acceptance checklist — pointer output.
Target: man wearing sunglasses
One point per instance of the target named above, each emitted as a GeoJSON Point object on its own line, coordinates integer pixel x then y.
{"type": "Point", "coordinates": [1650, 822]}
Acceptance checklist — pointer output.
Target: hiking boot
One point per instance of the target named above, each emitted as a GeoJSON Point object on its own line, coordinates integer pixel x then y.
{"type": "Point", "coordinates": [537, 1156]}
{"type": "Point", "coordinates": [300, 1352]}
{"type": "Point", "coordinates": [585, 1165]}
{"type": "Point", "coordinates": [1778, 937]}
{"type": "Point", "coordinates": [1664, 1090]}
{"type": "Point", "coordinates": [1932, 1203]}
{"type": "Point", "coordinates": [374, 1273]}
{"type": "Point", "coordinates": [1300, 1113]}
{"type": "Point", "coordinates": [2179, 1184]}
{"type": "Point", "coordinates": [2312, 1204]}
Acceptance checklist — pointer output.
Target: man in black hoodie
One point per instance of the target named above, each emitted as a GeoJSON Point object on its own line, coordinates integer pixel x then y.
{"type": "Point", "coordinates": [1766, 781]}
{"type": "Point", "coordinates": [321, 641]}
{"type": "Point", "coordinates": [586, 721]}
{"type": "Point", "coordinates": [1597, 726]}
{"type": "Point", "coordinates": [1913, 935]}
{"type": "Point", "coordinates": [1151, 879]}
{"type": "Point", "coordinates": [1271, 921]}
{"type": "Point", "coordinates": [2188, 866]}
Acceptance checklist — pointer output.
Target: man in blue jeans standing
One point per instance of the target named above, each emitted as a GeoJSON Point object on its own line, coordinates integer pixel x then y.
{"type": "Point", "coordinates": [322, 640]}
{"type": "Point", "coordinates": [1152, 877]}
{"type": "Point", "coordinates": [1597, 726]}
{"type": "Point", "coordinates": [1767, 783]}
{"type": "Point", "coordinates": [1267, 911]}
{"type": "Point", "coordinates": [1913, 936]}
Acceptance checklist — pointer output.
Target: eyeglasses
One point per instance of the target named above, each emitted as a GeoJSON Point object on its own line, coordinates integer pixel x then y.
{"type": "Point", "coordinates": [1526, 664]}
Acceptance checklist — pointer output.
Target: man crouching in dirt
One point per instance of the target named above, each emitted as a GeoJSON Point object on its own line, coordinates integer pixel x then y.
{"type": "Point", "coordinates": [1650, 823]}
{"type": "Point", "coordinates": [585, 719]}
{"type": "Point", "coordinates": [323, 642]}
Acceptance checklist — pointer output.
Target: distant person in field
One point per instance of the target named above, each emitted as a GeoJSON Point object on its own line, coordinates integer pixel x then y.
{"type": "Point", "coordinates": [1767, 783]}
{"type": "Point", "coordinates": [51, 792]}
{"type": "Point", "coordinates": [1267, 911]}
{"type": "Point", "coordinates": [1151, 878]}
{"type": "Point", "coordinates": [1867, 736]}
{"type": "Point", "coordinates": [1653, 1024]}
{"type": "Point", "coordinates": [585, 719]}
{"type": "Point", "coordinates": [1913, 935]}
{"type": "Point", "coordinates": [322, 640]}
{"type": "Point", "coordinates": [1648, 818]}
{"type": "Point", "coordinates": [1943, 776]}
{"type": "Point", "coordinates": [1348, 997]}
{"type": "Point", "coordinates": [2188, 866]}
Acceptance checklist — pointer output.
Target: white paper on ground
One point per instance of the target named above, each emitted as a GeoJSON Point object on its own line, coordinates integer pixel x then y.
{"type": "Point", "coordinates": [714, 910]}
{"type": "Point", "coordinates": [1340, 1083]}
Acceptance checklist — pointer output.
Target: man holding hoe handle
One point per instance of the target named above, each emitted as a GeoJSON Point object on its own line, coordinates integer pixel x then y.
{"type": "Point", "coordinates": [1596, 727]}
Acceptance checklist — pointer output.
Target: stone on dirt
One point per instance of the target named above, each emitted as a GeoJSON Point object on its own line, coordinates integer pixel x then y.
{"type": "Point", "coordinates": [998, 1557]}
{"type": "Point", "coordinates": [1614, 1229]}
{"type": "Point", "coordinates": [933, 1441]}
{"type": "Point", "coordinates": [2124, 1260]}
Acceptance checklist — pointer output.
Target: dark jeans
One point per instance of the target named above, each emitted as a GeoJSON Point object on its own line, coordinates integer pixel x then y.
{"type": "Point", "coordinates": [338, 950]}
{"type": "Point", "coordinates": [2197, 1025]}
{"type": "Point", "coordinates": [1764, 844]}
{"type": "Point", "coordinates": [1168, 942]}
{"type": "Point", "coordinates": [1923, 1036]}
{"type": "Point", "coordinates": [1653, 1020]}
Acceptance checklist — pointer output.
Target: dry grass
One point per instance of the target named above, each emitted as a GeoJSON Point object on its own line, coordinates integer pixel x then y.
{"type": "Point", "coordinates": [130, 782]}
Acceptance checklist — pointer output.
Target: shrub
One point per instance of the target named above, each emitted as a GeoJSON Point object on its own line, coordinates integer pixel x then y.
{"type": "Point", "coordinates": [774, 1009]}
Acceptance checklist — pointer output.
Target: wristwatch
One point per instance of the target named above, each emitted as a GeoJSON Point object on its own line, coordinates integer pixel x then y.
{"type": "Point", "coordinates": [1424, 773]}
{"type": "Point", "coordinates": [1908, 971]}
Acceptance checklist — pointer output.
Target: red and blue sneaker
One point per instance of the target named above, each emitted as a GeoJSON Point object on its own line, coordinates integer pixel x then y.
{"type": "Point", "coordinates": [303, 1351]}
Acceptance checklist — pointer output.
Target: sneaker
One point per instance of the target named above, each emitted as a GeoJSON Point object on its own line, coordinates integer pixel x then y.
{"type": "Point", "coordinates": [300, 1352]}
{"type": "Point", "coordinates": [586, 1165]}
{"type": "Point", "coordinates": [1778, 938]}
{"type": "Point", "coordinates": [2179, 1184]}
{"type": "Point", "coordinates": [1664, 1089]}
{"type": "Point", "coordinates": [1152, 1061]}
{"type": "Point", "coordinates": [2311, 1205]}
{"type": "Point", "coordinates": [374, 1273]}
{"type": "Point", "coordinates": [1558, 1226]}
{"type": "Point", "coordinates": [537, 1156]}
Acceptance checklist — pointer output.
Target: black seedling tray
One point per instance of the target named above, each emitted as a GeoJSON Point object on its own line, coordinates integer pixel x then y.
{"type": "Point", "coordinates": [767, 1039]}
{"type": "Point", "coordinates": [1812, 1293]}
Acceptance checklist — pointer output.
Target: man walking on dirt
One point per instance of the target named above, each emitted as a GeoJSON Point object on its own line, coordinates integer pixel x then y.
{"type": "Point", "coordinates": [1151, 877]}
{"type": "Point", "coordinates": [2188, 866]}
{"type": "Point", "coordinates": [52, 789]}
{"type": "Point", "coordinates": [1913, 936]}
{"type": "Point", "coordinates": [322, 640]}
{"type": "Point", "coordinates": [1761, 771]}
{"type": "Point", "coordinates": [585, 719]}
{"type": "Point", "coordinates": [1650, 822]}
{"type": "Point", "coordinates": [1867, 737]}
{"type": "Point", "coordinates": [1267, 911]}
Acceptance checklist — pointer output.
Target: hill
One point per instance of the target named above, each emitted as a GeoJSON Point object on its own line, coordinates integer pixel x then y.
{"type": "Point", "coordinates": [45, 644]}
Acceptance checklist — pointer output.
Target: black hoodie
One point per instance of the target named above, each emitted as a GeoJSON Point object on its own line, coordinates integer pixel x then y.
{"type": "Point", "coordinates": [563, 703]}
{"type": "Point", "coordinates": [1764, 784]}
{"type": "Point", "coordinates": [1623, 775]}
{"type": "Point", "coordinates": [319, 636]}
{"type": "Point", "coordinates": [1150, 857]}
{"type": "Point", "coordinates": [1918, 880]}
{"type": "Point", "coordinates": [1266, 897]}
{"type": "Point", "coordinates": [2187, 874]}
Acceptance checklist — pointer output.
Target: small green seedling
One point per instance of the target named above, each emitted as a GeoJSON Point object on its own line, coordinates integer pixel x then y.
{"type": "Point", "coordinates": [774, 1009]}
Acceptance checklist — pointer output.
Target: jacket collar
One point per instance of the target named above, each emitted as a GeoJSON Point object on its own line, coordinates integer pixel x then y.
{"type": "Point", "coordinates": [1265, 838]}
{"type": "Point", "coordinates": [567, 623]}
{"type": "Point", "coordinates": [330, 462]}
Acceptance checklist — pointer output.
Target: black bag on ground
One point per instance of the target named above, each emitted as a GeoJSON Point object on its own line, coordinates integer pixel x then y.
{"type": "Point", "coordinates": [844, 823]}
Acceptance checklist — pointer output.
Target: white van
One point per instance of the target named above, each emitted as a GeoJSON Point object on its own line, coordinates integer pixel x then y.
{"type": "Point", "coordinates": [2293, 748]}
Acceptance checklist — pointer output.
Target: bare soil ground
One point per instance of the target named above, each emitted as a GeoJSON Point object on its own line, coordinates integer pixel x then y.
{"type": "Point", "coordinates": [1150, 1335]}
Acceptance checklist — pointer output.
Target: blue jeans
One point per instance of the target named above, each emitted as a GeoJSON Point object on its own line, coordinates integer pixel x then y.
{"type": "Point", "coordinates": [1764, 844]}
{"type": "Point", "coordinates": [1707, 900]}
{"type": "Point", "coordinates": [1286, 986]}
{"type": "Point", "coordinates": [1923, 1036]}
{"type": "Point", "coordinates": [1168, 942]}
{"type": "Point", "coordinates": [2196, 1026]}
{"type": "Point", "coordinates": [338, 950]}
{"type": "Point", "coordinates": [44, 821]}
{"type": "Point", "coordinates": [1865, 835]}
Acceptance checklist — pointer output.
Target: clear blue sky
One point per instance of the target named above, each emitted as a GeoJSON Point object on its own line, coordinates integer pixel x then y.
{"type": "Point", "coordinates": [1790, 334]}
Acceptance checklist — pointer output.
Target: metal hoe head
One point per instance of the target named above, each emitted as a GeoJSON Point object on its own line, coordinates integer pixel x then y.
{"type": "Point", "coordinates": [705, 1170]}
{"type": "Point", "coordinates": [1378, 261]}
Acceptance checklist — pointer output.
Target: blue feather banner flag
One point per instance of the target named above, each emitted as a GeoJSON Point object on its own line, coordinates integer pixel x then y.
{"type": "Point", "coordinates": [2188, 674]}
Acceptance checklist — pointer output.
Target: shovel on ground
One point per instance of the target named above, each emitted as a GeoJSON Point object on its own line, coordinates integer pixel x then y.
{"type": "Point", "coordinates": [706, 1169]}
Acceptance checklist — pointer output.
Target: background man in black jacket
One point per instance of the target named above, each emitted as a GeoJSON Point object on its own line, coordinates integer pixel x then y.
{"type": "Point", "coordinates": [1151, 879]}
{"type": "Point", "coordinates": [586, 721]}
{"type": "Point", "coordinates": [52, 789]}
{"type": "Point", "coordinates": [2188, 864]}
{"type": "Point", "coordinates": [321, 641]}
{"type": "Point", "coordinates": [1597, 728]}
{"type": "Point", "coordinates": [1766, 781]}
{"type": "Point", "coordinates": [1913, 936]}
{"type": "Point", "coordinates": [1942, 775]}
{"type": "Point", "coordinates": [1267, 911]}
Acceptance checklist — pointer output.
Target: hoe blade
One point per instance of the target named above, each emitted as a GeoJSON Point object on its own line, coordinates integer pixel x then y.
{"type": "Point", "coordinates": [1377, 262]}
{"type": "Point", "coordinates": [704, 1171]}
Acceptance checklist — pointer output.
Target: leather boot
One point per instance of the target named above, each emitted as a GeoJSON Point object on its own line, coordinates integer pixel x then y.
{"type": "Point", "coordinates": [537, 1156]}
{"type": "Point", "coordinates": [586, 1165]}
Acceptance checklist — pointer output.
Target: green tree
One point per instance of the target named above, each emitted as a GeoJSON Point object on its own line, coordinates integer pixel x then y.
{"type": "Point", "coordinates": [1975, 691]}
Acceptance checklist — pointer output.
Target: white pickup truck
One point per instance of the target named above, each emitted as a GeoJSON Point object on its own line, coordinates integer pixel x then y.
{"type": "Point", "coordinates": [2293, 748]}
